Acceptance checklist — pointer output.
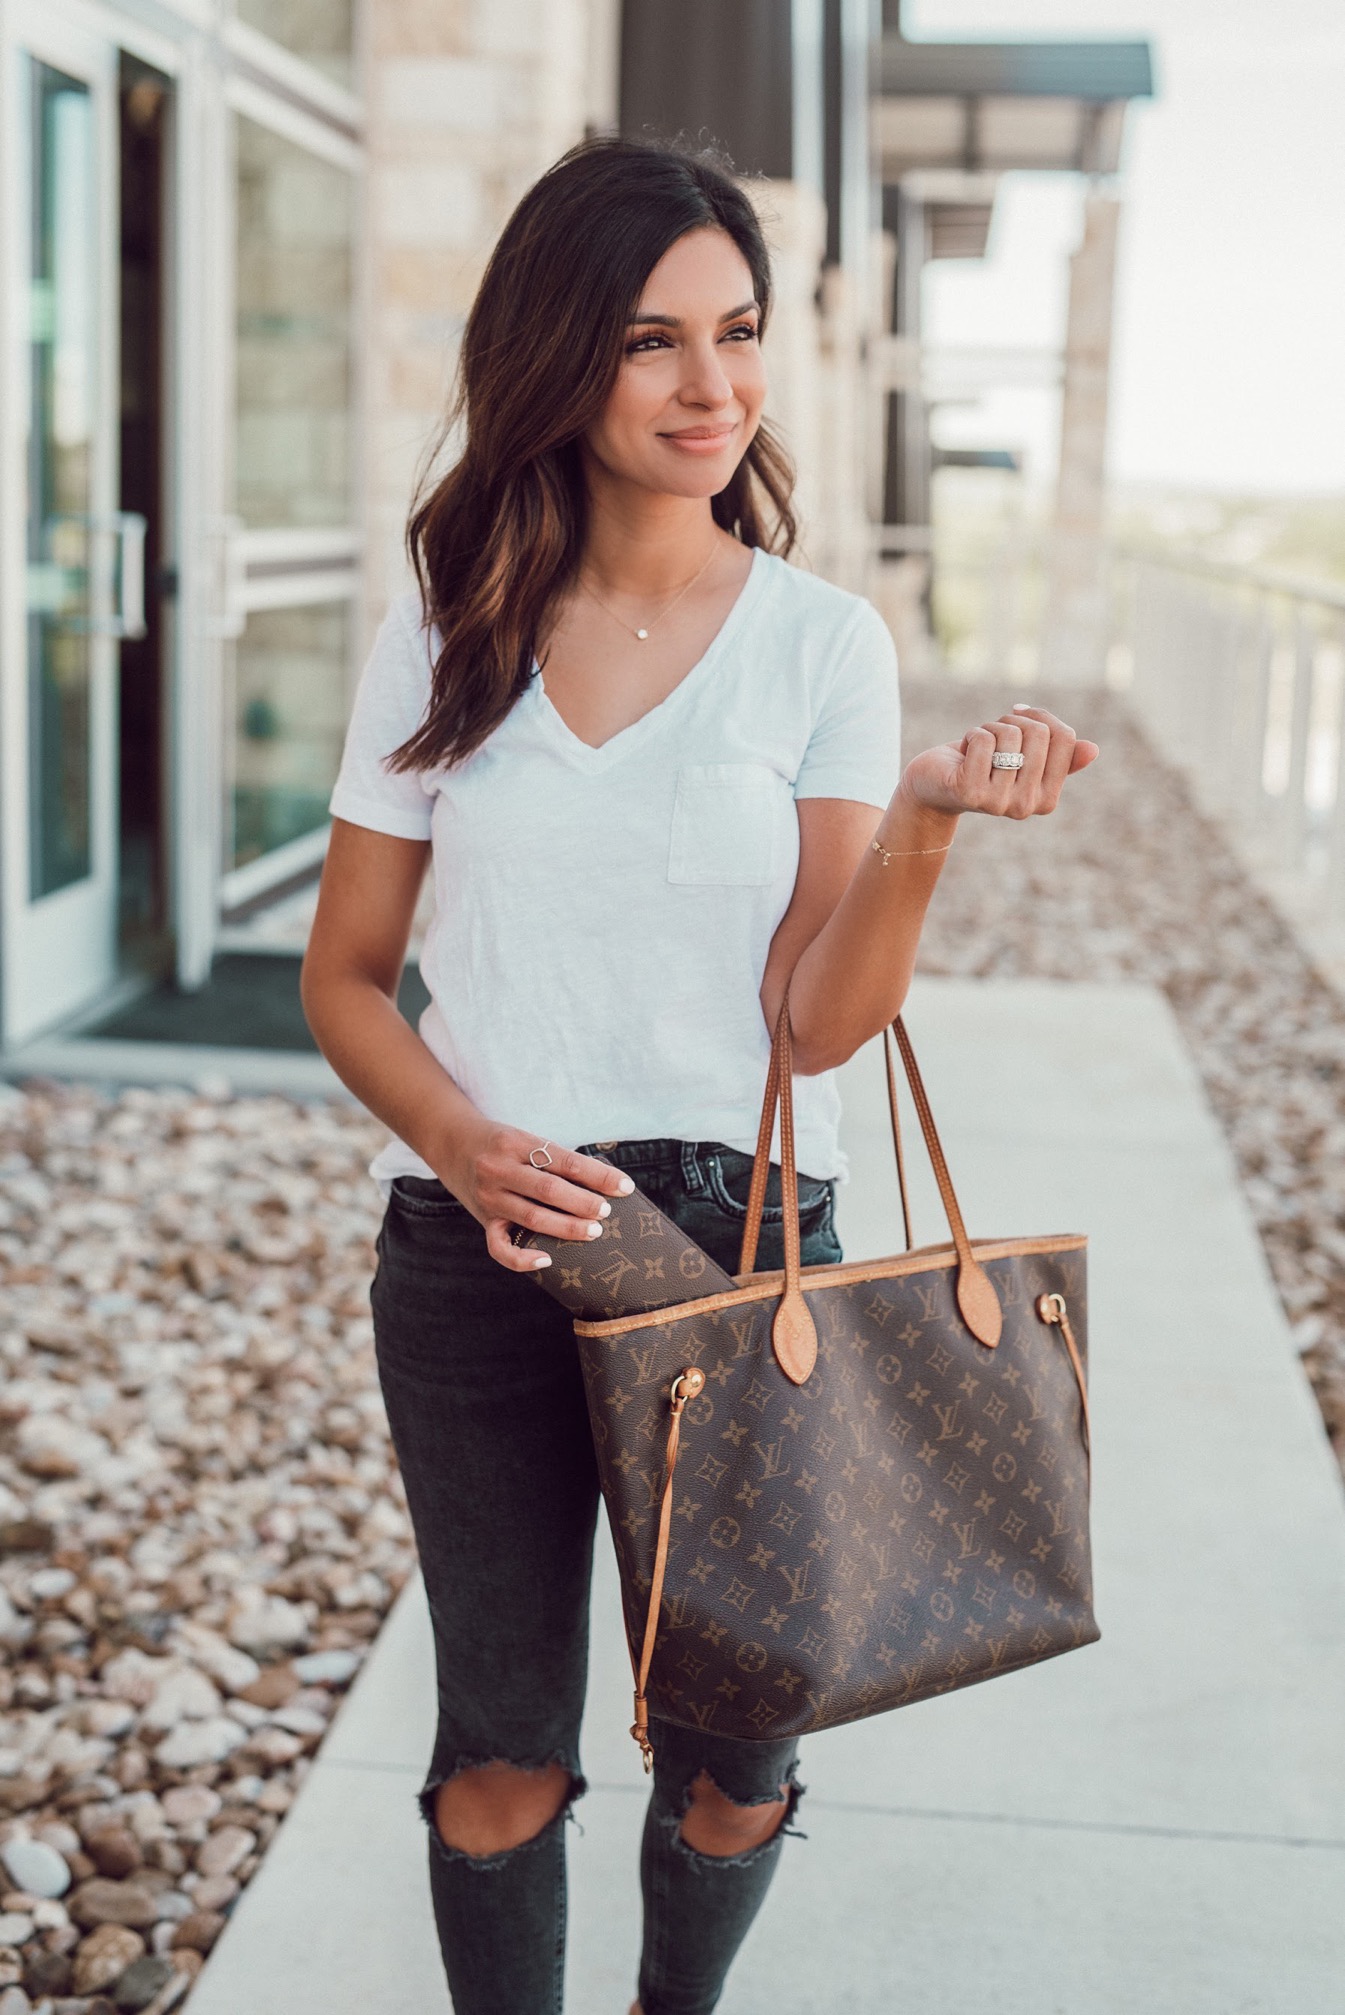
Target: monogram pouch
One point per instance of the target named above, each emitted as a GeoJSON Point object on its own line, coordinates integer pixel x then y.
{"type": "Point", "coordinates": [642, 1261]}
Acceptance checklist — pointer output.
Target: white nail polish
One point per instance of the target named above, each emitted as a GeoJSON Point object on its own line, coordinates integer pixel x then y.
{"type": "Point", "coordinates": [542, 1259]}
{"type": "Point", "coordinates": [595, 1230]}
{"type": "Point", "coordinates": [626, 1186]}
{"type": "Point", "coordinates": [604, 1208]}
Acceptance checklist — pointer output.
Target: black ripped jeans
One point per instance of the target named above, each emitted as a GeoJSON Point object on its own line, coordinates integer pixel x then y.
{"type": "Point", "coordinates": [481, 1379]}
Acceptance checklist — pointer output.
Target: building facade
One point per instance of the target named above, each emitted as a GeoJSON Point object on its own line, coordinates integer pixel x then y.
{"type": "Point", "coordinates": [238, 240]}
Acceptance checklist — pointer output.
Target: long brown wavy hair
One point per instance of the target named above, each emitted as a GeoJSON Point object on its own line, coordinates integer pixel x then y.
{"type": "Point", "coordinates": [497, 539]}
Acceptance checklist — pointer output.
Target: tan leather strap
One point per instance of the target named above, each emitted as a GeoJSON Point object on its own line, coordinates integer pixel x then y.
{"type": "Point", "coordinates": [1051, 1308]}
{"type": "Point", "coordinates": [895, 1111]}
{"type": "Point", "coordinates": [793, 1333]}
{"type": "Point", "coordinates": [761, 1165]}
{"type": "Point", "coordinates": [684, 1387]}
{"type": "Point", "coordinates": [976, 1297]}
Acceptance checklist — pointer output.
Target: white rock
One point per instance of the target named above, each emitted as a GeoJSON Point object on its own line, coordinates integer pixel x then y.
{"type": "Point", "coordinates": [265, 1624]}
{"type": "Point", "coordinates": [111, 1718]}
{"type": "Point", "coordinates": [173, 1906]}
{"type": "Point", "coordinates": [33, 1866]}
{"type": "Point", "coordinates": [190, 1804]}
{"type": "Point", "coordinates": [135, 1676]}
{"type": "Point", "coordinates": [326, 1668]}
{"type": "Point", "coordinates": [16, 1927]}
{"type": "Point", "coordinates": [227, 1665]}
{"type": "Point", "coordinates": [49, 1445]}
{"type": "Point", "coordinates": [195, 1742]}
{"type": "Point", "coordinates": [74, 1754]}
{"type": "Point", "coordinates": [147, 1818]}
{"type": "Point", "coordinates": [49, 1584]}
{"type": "Point", "coordinates": [300, 1720]}
{"type": "Point", "coordinates": [186, 1695]}
{"type": "Point", "coordinates": [15, 1630]}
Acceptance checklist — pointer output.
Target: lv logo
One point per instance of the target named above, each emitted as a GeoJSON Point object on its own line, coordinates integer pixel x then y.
{"type": "Point", "coordinates": [929, 1302]}
{"type": "Point", "coordinates": [965, 1535]}
{"type": "Point", "coordinates": [1059, 1516]}
{"type": "Point", "coordinates": [796, 1579]}
{"type": "Point", "coordinates": [771, 1457]}
{"type": "Point", "coordinates": [614, 1272]}
{"type": "Point", "coordinates": [950, 1419]}
{"type": "Point", "coordinates": [884, 1567]}
{"type": "Point", "coordinates": [863, 1433]}
{"type": "Point", "coordinates": [644, 1362]}
{"type": "Point", "coordinates": [742, 1331]}
{"type": "Point", "coordinates": [675, 1611]}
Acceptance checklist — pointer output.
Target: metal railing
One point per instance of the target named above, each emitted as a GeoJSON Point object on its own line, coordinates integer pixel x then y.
{"type": "Point", "coordinates": [1239, 676]}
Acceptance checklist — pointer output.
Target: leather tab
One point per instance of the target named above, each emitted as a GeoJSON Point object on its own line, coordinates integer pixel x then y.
{"type": "Point", "coordinates": [978, 1302]}
{"type": "Point", "coordinates": [794, 1337]}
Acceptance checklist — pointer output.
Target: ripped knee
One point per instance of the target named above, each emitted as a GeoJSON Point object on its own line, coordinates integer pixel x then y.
{"type": "Point", "coordinates": [490, 1808]}
{"type": "Point", "coordinates": [714, 1825]}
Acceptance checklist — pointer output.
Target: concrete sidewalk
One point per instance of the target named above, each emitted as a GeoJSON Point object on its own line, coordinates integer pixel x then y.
{"type": "Point", "coordinates": [1155, 1826]}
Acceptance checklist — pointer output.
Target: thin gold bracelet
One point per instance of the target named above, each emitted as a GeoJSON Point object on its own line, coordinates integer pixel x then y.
{"type": "Point", "coordinates": [885, 856]}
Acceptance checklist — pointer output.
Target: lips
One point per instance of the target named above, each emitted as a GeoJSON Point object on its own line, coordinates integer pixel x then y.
{"type": "Point", "coordinates": [702, 437]}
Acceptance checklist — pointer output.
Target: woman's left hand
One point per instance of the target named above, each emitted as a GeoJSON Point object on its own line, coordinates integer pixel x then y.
{"type": "Point", "coordinates": [959, 777]}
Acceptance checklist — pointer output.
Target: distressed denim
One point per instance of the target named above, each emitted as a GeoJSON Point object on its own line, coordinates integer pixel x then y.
{"type": "Point", "coordinates": [481, 1380]}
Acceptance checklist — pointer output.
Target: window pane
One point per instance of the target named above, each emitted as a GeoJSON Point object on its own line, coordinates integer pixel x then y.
{"type": "Point", "coordinates": [290, 688]}
{"type": "Point", "coordinates": [295, 229]}
{"type": "Point", "coordinates": [62, 271]}
{"type": "Point", "coordinates": [321, 31]}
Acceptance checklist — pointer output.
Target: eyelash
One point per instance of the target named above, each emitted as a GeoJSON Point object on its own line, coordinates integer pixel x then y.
{"type": "Point", "coordinates": [635, 348]}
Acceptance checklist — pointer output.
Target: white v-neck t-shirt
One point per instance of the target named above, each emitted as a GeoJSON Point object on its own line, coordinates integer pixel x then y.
{"type": "Point", "coordinates": [602, 916]}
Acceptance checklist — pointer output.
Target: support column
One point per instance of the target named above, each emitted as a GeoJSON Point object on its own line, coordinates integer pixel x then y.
{"type": "Point", "coordinates": [1074, 637]}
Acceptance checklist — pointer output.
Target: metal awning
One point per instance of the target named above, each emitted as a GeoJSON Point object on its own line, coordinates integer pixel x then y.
{"type": "Point", "coordinates": [991, 107]}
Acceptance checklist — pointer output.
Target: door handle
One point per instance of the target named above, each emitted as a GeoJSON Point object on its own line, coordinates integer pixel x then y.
{"type": "Point", "coordinates": [232, 618]}
{"type": "Point", "coordinates": [129, 621]}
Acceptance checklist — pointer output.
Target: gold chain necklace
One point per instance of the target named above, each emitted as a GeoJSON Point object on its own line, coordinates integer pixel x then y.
{"type": "Point", "coordinates": [641, 635]}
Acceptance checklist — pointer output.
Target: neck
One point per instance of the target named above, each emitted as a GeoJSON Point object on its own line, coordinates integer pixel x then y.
{"type": "Point", "coordinates": [642, 543]}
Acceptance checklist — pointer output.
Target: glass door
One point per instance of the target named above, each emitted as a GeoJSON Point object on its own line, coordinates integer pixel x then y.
{"type": "Point", "coordinates": [70, 574]}
{"type": "Point", "coordinates": [295, 547]}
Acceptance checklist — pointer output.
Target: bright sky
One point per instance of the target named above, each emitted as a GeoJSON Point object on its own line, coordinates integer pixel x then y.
{"type": "Point", "coordinates": [1230, 355]}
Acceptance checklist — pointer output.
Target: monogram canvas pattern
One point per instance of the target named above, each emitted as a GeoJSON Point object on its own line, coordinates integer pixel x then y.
{"type": "Point", "coordinates": [911, 1519]}
{"type": "Point", "coordinates": [642, 1261]}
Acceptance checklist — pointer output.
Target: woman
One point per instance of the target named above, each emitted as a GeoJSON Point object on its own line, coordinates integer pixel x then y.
{"type": "Point", "coordinates": [656, 771]}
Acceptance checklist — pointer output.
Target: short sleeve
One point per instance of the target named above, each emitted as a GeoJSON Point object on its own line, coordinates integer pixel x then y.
{"type": "Point", "coordinates": [389, 707]}
{"type": "Point", "coordinates": [854, 750]}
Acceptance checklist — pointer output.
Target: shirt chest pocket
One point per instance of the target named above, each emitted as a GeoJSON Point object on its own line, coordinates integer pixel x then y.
{"type": "Point", "coordinates": [725, 825]}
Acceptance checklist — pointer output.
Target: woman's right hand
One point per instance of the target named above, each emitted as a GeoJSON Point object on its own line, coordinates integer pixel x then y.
{"type": "Point", "coordinates": [494, 1178]}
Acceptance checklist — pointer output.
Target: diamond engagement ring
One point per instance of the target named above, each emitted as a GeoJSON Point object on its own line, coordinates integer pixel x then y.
{"type": "Point", "coordinates": [1002, 760]}
{"type": "Point", "coordinates": [544, 1152]}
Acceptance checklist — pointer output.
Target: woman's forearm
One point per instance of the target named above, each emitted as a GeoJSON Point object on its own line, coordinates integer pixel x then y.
{"type": "Point", "coordinates": [380, 1058]}
{"type": "Point", "coordinates": [854, 975]}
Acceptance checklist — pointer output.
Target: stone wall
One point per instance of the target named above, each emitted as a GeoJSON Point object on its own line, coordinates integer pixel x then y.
{"type": "Point", "coordinates": [469, 100]}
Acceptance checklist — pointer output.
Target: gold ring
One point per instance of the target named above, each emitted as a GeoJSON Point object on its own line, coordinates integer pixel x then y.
{"type": "Point", "coordinates": [547, 1158]}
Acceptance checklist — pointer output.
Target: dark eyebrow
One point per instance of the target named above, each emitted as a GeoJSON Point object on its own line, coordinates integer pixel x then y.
{"type": "Point", "coordinates": [675, 321]}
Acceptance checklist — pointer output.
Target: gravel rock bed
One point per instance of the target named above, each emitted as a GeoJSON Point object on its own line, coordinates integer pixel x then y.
{"type": "Point", "coordinates": [1126, 880]}
{"type": "Point", "coordinates": [201, 1526]}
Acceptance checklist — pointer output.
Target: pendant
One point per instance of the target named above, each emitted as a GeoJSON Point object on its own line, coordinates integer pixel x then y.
{"type": "Point", "coordinates": [642, 634]}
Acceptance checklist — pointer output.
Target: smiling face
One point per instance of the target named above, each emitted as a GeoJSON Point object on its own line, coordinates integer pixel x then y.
{"type": "Point", "coordinates": [689, 393]}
